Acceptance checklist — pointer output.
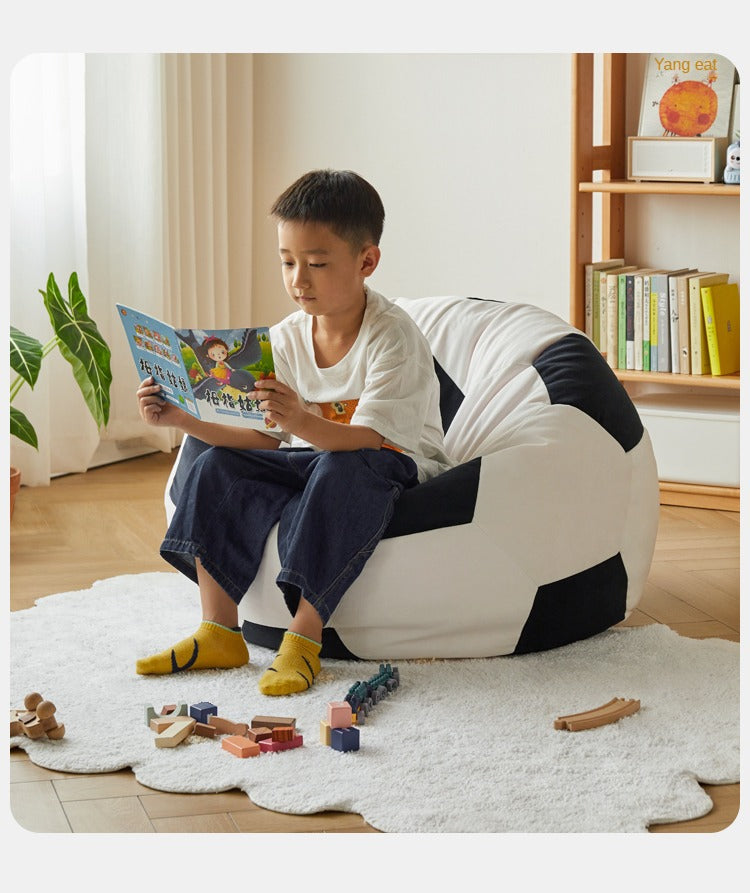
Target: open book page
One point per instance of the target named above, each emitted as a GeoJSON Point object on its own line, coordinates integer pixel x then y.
{"type": "Point", "coordinates": [209, 373]}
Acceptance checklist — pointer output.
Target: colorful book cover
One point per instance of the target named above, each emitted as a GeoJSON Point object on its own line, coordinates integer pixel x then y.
{"type": "Point", "coordinates": [687, 94]}
{"type": "Point", "coordinates": [209, 373]}
{"type": "Point", "coordinates": [721, 312]}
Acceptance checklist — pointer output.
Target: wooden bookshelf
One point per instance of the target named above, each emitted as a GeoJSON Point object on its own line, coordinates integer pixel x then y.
{"type": "Point", "coordinates": [600, 168]}
{"type": "Point", "coordinates": [635, 187]}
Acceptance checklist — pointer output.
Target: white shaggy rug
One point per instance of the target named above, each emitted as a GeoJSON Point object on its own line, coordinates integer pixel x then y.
{"type": "Point", "coordinates": [461, 746]}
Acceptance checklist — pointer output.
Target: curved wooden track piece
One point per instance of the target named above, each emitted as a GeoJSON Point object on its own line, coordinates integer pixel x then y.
{"type": "Point", "coordinates": [599, 716]}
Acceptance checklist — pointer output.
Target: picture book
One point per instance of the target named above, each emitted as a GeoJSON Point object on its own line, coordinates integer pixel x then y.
{"type": "Point", "coordinates": [721, 311]}
{"type": "Point", "coordinates": [209, 373]}
{"type": "Point", "coordinates": [687, 94]}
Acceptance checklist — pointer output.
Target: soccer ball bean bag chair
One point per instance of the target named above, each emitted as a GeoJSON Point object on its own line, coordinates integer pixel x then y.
{"type": "Point", "coordinates": [543, 532]}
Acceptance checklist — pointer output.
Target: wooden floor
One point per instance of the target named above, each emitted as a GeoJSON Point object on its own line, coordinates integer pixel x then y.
{"type": "Point", "coordinates": [83, 528]}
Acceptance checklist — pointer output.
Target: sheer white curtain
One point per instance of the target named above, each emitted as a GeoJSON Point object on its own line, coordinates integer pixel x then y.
{"type": "Point", "coordinates": [135, 171]}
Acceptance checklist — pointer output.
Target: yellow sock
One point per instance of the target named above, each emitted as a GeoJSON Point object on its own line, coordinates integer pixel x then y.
{"type": "Point", "coordinates": [294, 668]}
{"type": "Point", "coordinates": [212, 646]}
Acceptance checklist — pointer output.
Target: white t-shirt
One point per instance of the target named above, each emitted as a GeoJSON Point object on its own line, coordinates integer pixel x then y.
{"type": "Point", "coordinates": [386, 381]}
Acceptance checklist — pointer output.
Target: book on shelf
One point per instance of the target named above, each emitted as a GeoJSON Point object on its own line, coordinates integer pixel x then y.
{"type": "Point", "coordinates": [209, 373]}
{"type": "Point", "coordinates": [721, 312]}
{"type": "Point", "coordinates": [632, 357]}
{"type": "Point", "coordinates": [661, 341]}
{"type": "Point", "coordinates": [592, 283]}
{"type": "Point", "coordinates": [655, 281]}
{"type": "Point", "coordinates": [613, 312]}
{"type": "Point", "coordinates": [641, 324]}
{"type": "Point", "coordinates": [683, 326]}
{"type": "Point", "coordinates": [700, 363]}
{"type": "Point", "coordinates": [687, 95]}
{"type": "Point", "coordinates": [674, 320]}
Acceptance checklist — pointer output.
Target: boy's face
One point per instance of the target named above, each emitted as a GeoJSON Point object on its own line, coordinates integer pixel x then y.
{"type": "Point", "coordinates": [322, 274]}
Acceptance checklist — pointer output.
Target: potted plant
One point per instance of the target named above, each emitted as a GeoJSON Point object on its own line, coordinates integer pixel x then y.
{"type": "Point", "coordinates": [79, 341]}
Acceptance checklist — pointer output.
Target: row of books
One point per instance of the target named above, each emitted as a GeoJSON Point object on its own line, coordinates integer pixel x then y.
{"type": "Point", "coordinates": [682, 321]}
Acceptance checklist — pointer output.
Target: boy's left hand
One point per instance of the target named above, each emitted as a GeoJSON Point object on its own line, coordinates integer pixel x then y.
{"type": "Point", "coordinates": [281, 404]}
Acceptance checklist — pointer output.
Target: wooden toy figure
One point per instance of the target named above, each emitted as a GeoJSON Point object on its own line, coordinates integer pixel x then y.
{"type": "Point", "coordinates": [732, 170]}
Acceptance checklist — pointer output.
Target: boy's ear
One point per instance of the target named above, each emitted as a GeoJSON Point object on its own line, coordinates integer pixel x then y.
{"type": "Point", "coordinates": [370, 259]}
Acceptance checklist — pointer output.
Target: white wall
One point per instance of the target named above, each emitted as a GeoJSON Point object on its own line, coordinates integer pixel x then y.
{"type": "Point", "coordinates": [470, 154]}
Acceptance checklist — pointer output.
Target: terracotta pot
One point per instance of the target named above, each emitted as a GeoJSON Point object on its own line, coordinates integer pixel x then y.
{"type": "Point", "coordinates": [15, 486]}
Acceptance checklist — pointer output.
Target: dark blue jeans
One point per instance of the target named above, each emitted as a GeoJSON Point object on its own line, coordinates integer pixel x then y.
{"type": "Point", "coordinates": [332, 509]}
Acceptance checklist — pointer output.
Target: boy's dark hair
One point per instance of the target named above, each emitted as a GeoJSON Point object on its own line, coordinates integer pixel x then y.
{"type": "Point", "coordinates": [342, 200]}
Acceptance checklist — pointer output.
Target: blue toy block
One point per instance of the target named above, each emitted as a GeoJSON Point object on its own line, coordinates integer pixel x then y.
{"type": "Point", "coordinates": [345, 739]}
{"type": "Point", "coordinates": [203, 710]}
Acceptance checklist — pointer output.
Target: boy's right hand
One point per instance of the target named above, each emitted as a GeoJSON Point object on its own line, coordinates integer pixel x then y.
{"type": "Point", "coordinates": [153, 408]}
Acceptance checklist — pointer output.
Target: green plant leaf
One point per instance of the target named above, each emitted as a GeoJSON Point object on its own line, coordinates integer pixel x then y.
{"type": "Point", "coordinates": [25, 355]}
{"type": "Point", "coordinates": [22, 428]}
{"type": "Point", "coordinates": [81, 344]}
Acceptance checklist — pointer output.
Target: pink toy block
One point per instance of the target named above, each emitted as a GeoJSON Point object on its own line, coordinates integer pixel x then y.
{"type": "Point", "coordinates": [269, 746]}
{"type": "Point", "coordinates": [239, 746]}
{"type": "Point", "coordinates": [339, 714]}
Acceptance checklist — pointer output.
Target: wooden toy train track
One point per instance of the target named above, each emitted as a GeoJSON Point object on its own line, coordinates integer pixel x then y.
{"type": "Point", "coordinates": [599, 716]}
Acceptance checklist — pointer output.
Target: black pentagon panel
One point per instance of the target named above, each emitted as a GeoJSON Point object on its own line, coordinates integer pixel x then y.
{"type": "Point", "coordinates": [576, 607]}
{"type": "Point", "coordinates": [451, 396]}
{"type": "Point", "coordinates": [576, 374]}
{"type": "Point", "coordinates": [446, 500]}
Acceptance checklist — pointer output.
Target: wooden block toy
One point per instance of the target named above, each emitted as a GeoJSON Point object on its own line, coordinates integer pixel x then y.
{"type": "Point", "coordinates": [282, 733]}
{"type": "Point", "coordinates": [159, 723]}
{"type": "Point", "coordinates": [31, 700]}
{"type": "Point", "coordinates": [205, 730]}
{"type": "Point", "coordinates": [226, 726]}
{"type": "Point", "coordinates": [48, 724]}
{"type": "Point", "coordinates": [599, 716]}
{"type": "Point", "coordinates": [200, 712]}
{"type": "Point", "coordinates": [180, 709]}
{"type": "Point", "coordinates": [325, 733]}
{"type": "Point", "coordinates": [270, 722]}
{"type": "Point", "coordinates": [270, 746]}
{"type": "Point", "coordinates": [339, 714]}
{"type": "Point", "coordinates": [36, 719]}
{"type": "Point", "coordinates": [178, 731]}
{"type": "Point", "coordinates": [345, 739]}
{"type": "Point", "coordinates": [240, 746]}
{"type": "Point", "coordinates": [259, 734]}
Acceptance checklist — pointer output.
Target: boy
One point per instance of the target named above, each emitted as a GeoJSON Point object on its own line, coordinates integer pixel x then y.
{"type": "Point", "coordinates": [333, 486]}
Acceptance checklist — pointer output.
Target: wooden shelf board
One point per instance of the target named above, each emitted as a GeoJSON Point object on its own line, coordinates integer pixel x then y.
{"type": "Point", "coordinates": [656, 187]}
{"type": "Point", "coordinates": [719, 382]}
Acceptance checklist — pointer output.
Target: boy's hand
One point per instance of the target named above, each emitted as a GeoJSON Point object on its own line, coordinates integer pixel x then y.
{"type": "Point", "coordinates": [281, 404]}
{"type": "Point", "coordinates": [153, 408]}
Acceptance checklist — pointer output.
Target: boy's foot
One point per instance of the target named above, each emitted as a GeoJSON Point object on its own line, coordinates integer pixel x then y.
{"type": "Point", "coordinates": [213, 646]}
{"type": "Point", "coordinates": [294, 668]}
